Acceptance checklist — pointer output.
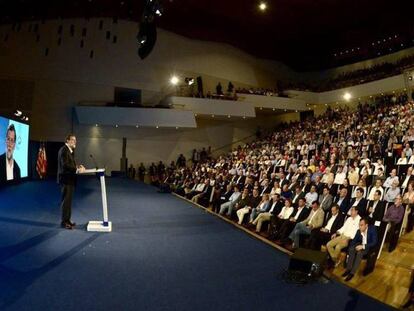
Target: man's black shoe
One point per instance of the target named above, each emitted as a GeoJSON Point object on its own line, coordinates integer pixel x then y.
{"type": "Point", "coordinates": [66, 225]}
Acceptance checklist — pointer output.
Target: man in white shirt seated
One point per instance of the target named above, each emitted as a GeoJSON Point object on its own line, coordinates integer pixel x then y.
{"type": "Point", "coordinates": [377, 166]}
{"type": "Point", "coordinates": [340, 176]}
{"type": "Point", "coordinates": [377, 187]}
{"type": "Point", "coordinates": [408, 177]}
{"type": "Point", "coordinates": [234, 198]}
{"type": "Point", "coordinates": [341, 238]}
{"type": "Point", "coordinates": [311, 196]}
{"type": "Point", "coordinates": [393, 176]}
{"type": "Point", "coordinates": [403, 160]}
{"type": "Point", "coordinates": [365, 239]}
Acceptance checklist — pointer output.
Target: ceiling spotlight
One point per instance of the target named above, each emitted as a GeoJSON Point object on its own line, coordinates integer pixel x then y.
{"type": "Point", "coordinates": [158, 12]}
{"type": "Point", "coordinates": [96, 124]}
{"type": "Point", "coordinates": [347, 96]}
{"type": "Point", "coordinates": [26, 119]}
{"type": "Point", "coordinates": [18, 113]}
{"type": "Point", "coordinates": [174, 80]}
{"type": "Point", "coordinates": [262, 6]}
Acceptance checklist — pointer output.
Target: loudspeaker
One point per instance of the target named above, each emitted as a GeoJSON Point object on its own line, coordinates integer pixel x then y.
{"type": "Point", "coordinates": [308, 262]}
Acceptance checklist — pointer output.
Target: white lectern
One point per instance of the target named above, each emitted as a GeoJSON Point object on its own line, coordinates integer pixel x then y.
{"type": "Point", "coordinates": [96, 225]}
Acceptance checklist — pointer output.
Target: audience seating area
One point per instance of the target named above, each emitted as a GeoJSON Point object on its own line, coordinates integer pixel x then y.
{"type": "Point", "coordinates": [308, 184]}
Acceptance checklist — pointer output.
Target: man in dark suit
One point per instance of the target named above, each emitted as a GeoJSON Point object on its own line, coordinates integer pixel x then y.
{"type": "Point", "coordinates": [9, 169]}
{"type": "Point", "coordinates": [364, 240]}
{"type": "Point", "coordinates": [332, 223]}
{"type": "Point", "coordinates": [375, 209]}
{"type": "Point", "coordinates": [359, 202]}
{"type": "Point", "coordinates": [343, 201]}
{"type": "Point", "coordinates": [66, 177]}
{"type": "Point", "coordinates": [300, 213]}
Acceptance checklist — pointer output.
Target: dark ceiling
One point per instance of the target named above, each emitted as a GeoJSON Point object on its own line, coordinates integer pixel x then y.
{"type": "Point", "coordinates": [305, 34]}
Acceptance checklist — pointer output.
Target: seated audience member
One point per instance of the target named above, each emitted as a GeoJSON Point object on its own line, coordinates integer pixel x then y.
{"type": "Point", "coordinates": [243, 202]}
{"type": "Point", "coordinates": [341, 238]}
{"type": "Point", "coordinates": [325, 199]}
{"type": "Point", "coordinates": [297, 196]}
{"type": "Point", "coordinates": [276, 206]}
{"type": "Point", "coordinates": [276, 222]}
{"type": "Point", "coordinates": [340, 176]}
{"type": "Point", "coordinates": [364, 240]}
{"type": "Point", "coordinates": [199, 195]}
{"type": "Point", "coordinates": [265, 187]}
{"type": "Point", "coordinates": [375, 209]}
{"type": "Point", "coordinates": [300, 213]}
{"type": "Point", "coordinates": [263, 207]}
{"type": "Point", "coordinates": [353, 176]}
{"type": "Point", "coordinates": [409, 177]}
{"type": "Point", "coordinates": [403, 160]}
{"type": "Point", "coordinates": [342, 201]}
{"type": "Point", "coordinates": [254, 202]}
{"type": "Point", "coordinates": [234, 198]}
{"type": "Point", "coordinates": [411, 160]}
{"type": "Point", "coordinates": [305, 227]}
{"type": "Point", "coordinates": [394, 216]}
{"type": "Point", "coordinates": [378, 165]}
{"type": "Point", "coordinates": [392, 192]}
{"type": "Point", "coordinates": [311, 196]}
{"type": "Point", "coordinates": [361, 184]}
{"type": "Point", "coordinates": [393, 177]}
{"type": "Point", "coordinates": [286, 193]}
{"type": "Point", "coordinates": [359, 202]}
{"type": "Point", "coordinates": [409, 199]}
{"type": "Point", "coordinates": [332, 224]}
{"type": "Point", "coordinates": [376, 187]}
{"type": "Point", "coordinates": [197, 189]}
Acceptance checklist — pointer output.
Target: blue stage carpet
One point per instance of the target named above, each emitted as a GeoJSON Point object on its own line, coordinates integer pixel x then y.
{"type": "Point", "coordinates": [163, 254]}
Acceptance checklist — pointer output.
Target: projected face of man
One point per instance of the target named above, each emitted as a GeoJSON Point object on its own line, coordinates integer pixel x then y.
{"type": "Point", "coordinates": [10, 143]}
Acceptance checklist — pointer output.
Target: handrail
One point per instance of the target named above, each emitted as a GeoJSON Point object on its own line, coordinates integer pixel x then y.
{"type": "Point", "coordinates": [233, 143]}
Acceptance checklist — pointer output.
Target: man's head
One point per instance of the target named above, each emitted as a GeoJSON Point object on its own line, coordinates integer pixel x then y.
{"type": "Point", "coordinates": [10, 141]}
{"type": "Point", "coordinates": [255, 192]}
{"type": "Point", "coordinates": [315, 205]}
{"type": "Point", "coordinates": [377, 195]}
{"type": "Point", "coordinates": [363, 225]}
{"type": "Point", "coordinates": [398, 200]}
{"type": "Point", "coordinates": [354, 211]}
{"type": "Point", "coordinates": [378, 183]}
{"type": "Point", "coordinates": [359, 193]}
{"type": "Point", "coordinates": [301, 202]}
{"type": "Point", "coordinates": [335, 209]}
{"type": "Point", "coordinates": [313, 189]}
{"type": "Point", "coordinates": [71, 141]}
{"type": "Point", "coordinates": [343, 193]}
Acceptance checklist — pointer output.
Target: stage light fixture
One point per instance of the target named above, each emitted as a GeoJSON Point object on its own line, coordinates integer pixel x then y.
{"type": "Point", "coordinates": [18, 113]}
{"type": "Point", "coordinates": [347, 96]}
{"type": "Point", "coordinates": [147, 35]}
{"type": "Point", "coordinates": [174, 80]}
{"type": "Point", "coordinates": [262, 6]}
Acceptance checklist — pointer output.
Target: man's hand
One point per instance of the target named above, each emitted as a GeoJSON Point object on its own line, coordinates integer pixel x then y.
{"type": "Point", "coordinates": [81, 168]}
{"type": "Point", "coordinates": [359, 248]}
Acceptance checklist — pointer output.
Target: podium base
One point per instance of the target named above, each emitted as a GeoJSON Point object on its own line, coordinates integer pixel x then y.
{"type": "Point", "coordinates": [97, 226]}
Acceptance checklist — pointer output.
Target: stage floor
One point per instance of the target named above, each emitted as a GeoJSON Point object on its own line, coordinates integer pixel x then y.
{"type": "Point", "coordinates": [163, 254]}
